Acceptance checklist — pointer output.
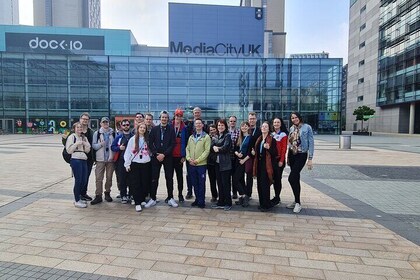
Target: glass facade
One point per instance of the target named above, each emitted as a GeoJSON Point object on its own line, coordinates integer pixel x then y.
{"type": "Point", "coordinates": [46, 93]}
{"type": "Point", "coordinates": [399, 52]}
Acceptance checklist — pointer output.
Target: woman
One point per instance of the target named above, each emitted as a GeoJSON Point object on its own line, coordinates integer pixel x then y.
{"type": "Point", "coordinates": [280, 135]}
{"type": "Point", "coordinates": [301, 149]}
{"type": "Point", "coordinates": [242, 154]}
{"type": "Point", "coordinates": [137, 163]}
{"type": "Point", "coordinates": [78, 146]}
{"type": "Point", "coordinates": [211, 163]}
{"type": "Point", "coordinates": [265, 158]}
{"type": "Point", "coordinates": [223, 165]}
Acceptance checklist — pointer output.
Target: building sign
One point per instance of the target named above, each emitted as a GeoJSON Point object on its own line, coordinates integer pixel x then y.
{"type": "Point", "coordinates": [54, 43]}
{"type": "Point", "coordinates": [210, 30]}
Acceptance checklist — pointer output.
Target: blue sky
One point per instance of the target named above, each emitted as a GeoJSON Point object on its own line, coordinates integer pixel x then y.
{"type": "Point", "coordinates": [311, 25]}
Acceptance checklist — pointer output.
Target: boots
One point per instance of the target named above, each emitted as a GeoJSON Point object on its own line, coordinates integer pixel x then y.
{"type": "Point", "coordinates": [245, 202]}
{"type": "Point", "coordinates": [98, 199]}
{"type": "Point", "coordinates": [240, 201]}
{"type": "Point", "coordinates": [108, 197]}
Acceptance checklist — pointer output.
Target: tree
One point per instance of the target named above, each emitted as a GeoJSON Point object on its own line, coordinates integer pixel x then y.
{"type": "Point", "coordinates": [363, 113]}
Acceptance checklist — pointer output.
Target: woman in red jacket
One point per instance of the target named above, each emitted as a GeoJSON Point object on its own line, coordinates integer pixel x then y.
{"type": "Point", "coordinates": [280, 134]}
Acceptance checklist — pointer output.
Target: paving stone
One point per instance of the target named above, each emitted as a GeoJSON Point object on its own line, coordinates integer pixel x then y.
{"type": "Point", "coordinates": [221, 273]}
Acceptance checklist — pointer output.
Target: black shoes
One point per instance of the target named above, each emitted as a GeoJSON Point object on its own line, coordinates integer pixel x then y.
{"type": "Point", "coordinates": [188, 196]}
{"type": "Point", "coordinates": [195, 203]}
{"type": "Point", "coordinates": [235, 196]}
{"type": "Point", "coordinates": [85, 197]}
{"type": "Point", "coordinates": [107, 197]}
{"type": "Point", "coordinates": [98, 199]}
{"type": "Point", "coordinates": [275, 201]}
{"type": "Point", "coordinates": [181, 198]}
{"type": "Point", "coordinates": [245, 202]}
{"type": "Point", "coordinates": [240, 201]}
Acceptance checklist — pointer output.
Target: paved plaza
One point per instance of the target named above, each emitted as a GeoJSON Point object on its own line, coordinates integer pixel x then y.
{"type": "Point", "coordinates": [360, 220]}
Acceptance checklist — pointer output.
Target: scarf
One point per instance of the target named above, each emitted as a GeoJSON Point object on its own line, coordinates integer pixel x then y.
{"type": "Point", "coordinates": [268, 162]}
{"type": "Point", "coordinates": [294, 139]}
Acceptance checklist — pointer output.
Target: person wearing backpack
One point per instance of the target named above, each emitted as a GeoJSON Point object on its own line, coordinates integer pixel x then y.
{"type": "Point", "coordinates": [78, 146]}
{"type": "Point", "coordinates": [102, 141]}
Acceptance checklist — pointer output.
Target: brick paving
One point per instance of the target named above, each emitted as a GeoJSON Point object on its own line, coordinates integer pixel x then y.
{"type": "Point", "coordinates": [338, 234]}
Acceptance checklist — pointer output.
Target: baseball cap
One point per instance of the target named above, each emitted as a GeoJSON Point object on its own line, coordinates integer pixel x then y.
{"type": "Point", "coordinates": [179, 112]}
{"type": "Point", "coordinates": [104, 119]}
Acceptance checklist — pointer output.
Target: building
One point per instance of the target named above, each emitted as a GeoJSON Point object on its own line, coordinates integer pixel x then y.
{"type": "Point", "coordinates": [274, 34]}
{"type": "Point", "coordinates": [49, 76]}
{"type": "Point", "coordinates": [383, 71]}
{"type": "Point", "coordinates": [344, 96]}
{"type": "Point", "coordinates": [64, 13]}
{"type": "Point", "coordinates": [9, 12]}
{"type": "Point", "coordinates": [310, 55]}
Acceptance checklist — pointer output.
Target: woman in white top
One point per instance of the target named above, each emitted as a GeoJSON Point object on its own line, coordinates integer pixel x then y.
{"type": "Point", "coordinates": [78, 146]}
{"type": "Point", "coordinates": [137, 164]}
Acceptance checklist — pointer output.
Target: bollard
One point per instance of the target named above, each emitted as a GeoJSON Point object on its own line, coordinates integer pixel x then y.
{"type": "Point", "coordinates": [345, 142]}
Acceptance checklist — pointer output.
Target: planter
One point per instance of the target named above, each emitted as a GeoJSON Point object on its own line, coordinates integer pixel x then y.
{"type": "Point", "coordinates": [362, 133]}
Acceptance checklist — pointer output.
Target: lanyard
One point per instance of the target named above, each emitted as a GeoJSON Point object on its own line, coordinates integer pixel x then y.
{"type": "Point", "coordinates": [253, 133]}
{"type": "Point", "coordinates": [162, 132]}
{"type": "Point", "coordinates": [261, 146]}
{"type": "Point", "coordinates": [243, 142]}
{"type": "Point", "coordinates": [176, 131]}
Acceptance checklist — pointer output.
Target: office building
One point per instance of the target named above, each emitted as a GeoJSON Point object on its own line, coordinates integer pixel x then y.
{"type": "Point", "coordinates": [9, 12]}
{"type": "Point", "coordinates": [48, 76]}
{"type": "Point", "coordinates": [310, 55]}
{"type": "Point", "coordinates": [383, 64]}
{"type": "Point", "coordinates": [64, 13]}
{"type": "Point", "coordinates": [274, 34]}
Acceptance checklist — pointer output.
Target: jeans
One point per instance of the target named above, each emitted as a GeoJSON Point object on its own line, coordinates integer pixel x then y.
{"type": "Point", "coordinates": [80, 171]}
{"type": "Point", "coordinates": [89, 170]}
{"type": "Point", "coordinates": [121, 177]}
{"type": "Point", "coordinates": [198, 178]}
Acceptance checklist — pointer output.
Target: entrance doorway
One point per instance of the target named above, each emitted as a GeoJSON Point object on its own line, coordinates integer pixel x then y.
{"type": "Point", "coordinates": [7, 126]}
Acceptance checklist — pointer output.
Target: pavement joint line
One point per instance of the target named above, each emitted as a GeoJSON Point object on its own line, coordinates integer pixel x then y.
{"type": "Point", "coordinates": [362, 209]}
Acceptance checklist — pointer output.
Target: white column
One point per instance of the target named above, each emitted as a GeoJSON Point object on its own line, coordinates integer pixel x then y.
{"type": "Point", "coordinates": [412, 115]}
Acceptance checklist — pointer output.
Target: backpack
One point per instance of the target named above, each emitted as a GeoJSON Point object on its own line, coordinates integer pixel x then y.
{"type": "Point", "coordinates": [67, 156]}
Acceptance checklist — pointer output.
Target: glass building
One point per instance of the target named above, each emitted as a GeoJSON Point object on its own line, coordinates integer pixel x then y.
{"type": "Point", "coordinates": [46, 92]}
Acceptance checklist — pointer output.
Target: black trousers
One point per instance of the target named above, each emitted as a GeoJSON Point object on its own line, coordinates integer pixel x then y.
{"type": "Point", "coordinates": [249, 181]}
{"type": "Point", "coordinates": [178, 165]}
{"type": "Point", "coordinates": [140, 181]}
{"type": "Point", "coordinates": [263, 185]}
{"type": "Point", "coordinates": [169, 174]}
{"type": "Point", "coordinates": [211, 169]}
{"type": "Point", "coordinates": [239, 178]}
{"type": "Point", "coordinates": [278, 174]}
{"type": "Point", "coordinates": [297, 162]}
{"type": "Point", "coordinates": [232, 175]}
{"type": "Point", "coordinates": [223, 184]}
{"type": "Point", "coordinates": [121, 177]}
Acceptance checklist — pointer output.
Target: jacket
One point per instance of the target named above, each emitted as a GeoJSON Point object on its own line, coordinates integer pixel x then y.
{"type": "Point", "coordinates": [306, 139]}
{"type": "Point", "coordinates": [162, 145]}
{"type": "Point", "coordinates": [281, 141]}
{"type": "Point", "coordinates": [180, 140]}
{"type": "Point", "coordinates": [224, 141]}
{"type": "Point", "coordinates": [77, 151]}
{"type": "Point", "coordinates": [198, 150]}
{"type": "Point", "coordinates": [121, 139]}
{"type": "Point", "coordinates": [104, 152]}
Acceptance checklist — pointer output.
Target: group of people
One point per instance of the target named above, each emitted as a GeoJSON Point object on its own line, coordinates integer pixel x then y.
{"type": "Point", "coordinates": [233, 156]}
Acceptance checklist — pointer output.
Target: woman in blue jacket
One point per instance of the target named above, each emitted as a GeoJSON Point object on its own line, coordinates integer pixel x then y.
{"type": "Point", "coordinates": [300, 152]}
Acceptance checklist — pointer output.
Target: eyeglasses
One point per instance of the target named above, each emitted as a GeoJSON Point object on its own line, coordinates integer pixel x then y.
{"type": "Point", "coordinates": [85, 119]}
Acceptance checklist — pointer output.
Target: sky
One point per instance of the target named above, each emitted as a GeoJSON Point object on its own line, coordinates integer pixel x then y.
{"type": "Point", "coordinates": [312, 26]}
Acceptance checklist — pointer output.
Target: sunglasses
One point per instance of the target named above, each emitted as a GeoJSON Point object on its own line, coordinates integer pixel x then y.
{"type": "Point", "coordinates": [125, 124]}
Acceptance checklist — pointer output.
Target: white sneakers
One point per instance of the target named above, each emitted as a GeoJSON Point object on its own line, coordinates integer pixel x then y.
{"type": "Point", "coordinates": [297, 208]}
{"type": "Point", "coordinates": [150, 203]}
{"type": "Point", "coordinates": [172, 202]}
{"type": "Point", "coordinates": [291, 205]}
{"type": "Point", "coordinates": [80, 204]}
{"type": "Point", "coordinates": [143, 203]}
{"type": "Point", "coordinates": [138, 208]}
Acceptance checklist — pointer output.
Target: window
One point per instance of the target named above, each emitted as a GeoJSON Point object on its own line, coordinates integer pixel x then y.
{"type": "Point", "coordinates": [363, 26]}
{"type": "Point", "coordinates": [361, 62]}
{"type": "Point", "coordinates": [363, 9]}
{"type": "Point", "coordinates": [360, 98]}
{"type": "Point", "coordinates": [361, 81]}
{"type": "Point", "coordinates": [361, 45]}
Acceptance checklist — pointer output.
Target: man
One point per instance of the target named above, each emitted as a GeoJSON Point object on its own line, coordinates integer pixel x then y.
{"type": "Point", "coordinates": [139, 118]}
{"type": "Point", "coordinates": [88, 132]}
{"type": "Point", "coordinates": [178, 153]}
{"type": "Point", "coordinates": [118, 147]}
{"type": "Point", "coordinates": [254, 132]}
{"type": "Point", "coordinates": [102, 141]}
{"type": "Point", "coordinates": [162, 142]}
{"type": "Point", "coordinates": [197, 151]}
{"type": "Point", "coordinates": [234, 134]}
{"type": "Point", "coordinates": [190, 131]}
{"type": "Point", "coordinates": [148, 120]}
